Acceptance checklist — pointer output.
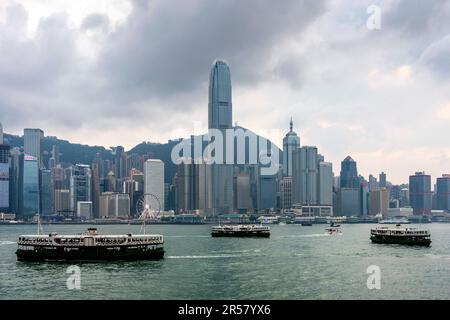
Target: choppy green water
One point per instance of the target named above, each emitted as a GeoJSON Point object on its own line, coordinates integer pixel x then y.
{"type": "Point", "coordinates": [295, 263]}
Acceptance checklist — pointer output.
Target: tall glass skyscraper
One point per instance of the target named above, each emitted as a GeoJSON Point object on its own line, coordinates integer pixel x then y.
{"type": "Point", "coordinates": [220, 116]}
{"type": "Point", "coordinates": [33, 143]}
{"type": "Point", "coordinates": [220, 110]}
{"type": "Point", "coordinates": [349, 174]}
{"type": "Point", "coordinates": [4, 177]}
{"type": "Point", "coordinates": [443, 192]}
{"type": "Point", "coordinates": [30, 187]}
{"type": "Point", "coordinates": [420, 195]}
{"type": "Point", "coordinates": [46, 192]}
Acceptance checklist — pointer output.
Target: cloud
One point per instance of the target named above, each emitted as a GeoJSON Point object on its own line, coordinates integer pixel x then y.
{"type": "Point", "coordinates": [84, 74]}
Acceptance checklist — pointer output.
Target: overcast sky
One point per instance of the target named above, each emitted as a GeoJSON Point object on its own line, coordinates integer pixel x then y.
{"type": "Point", "coordinates": [119, 72]}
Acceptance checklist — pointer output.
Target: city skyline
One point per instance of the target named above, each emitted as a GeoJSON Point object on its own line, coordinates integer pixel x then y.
{"type": "Point", "coordinates": [379, 109]}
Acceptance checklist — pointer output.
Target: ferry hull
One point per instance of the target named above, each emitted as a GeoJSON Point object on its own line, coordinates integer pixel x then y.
{"type": "Point", "coordinates": [89, 254]}
{"type": "Point", "coordinates": [241, 234]}
{"type": "Point", "coordinates": [410, 241]}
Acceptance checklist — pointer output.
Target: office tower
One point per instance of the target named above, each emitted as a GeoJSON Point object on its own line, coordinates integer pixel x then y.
{"type": "Point", "coordinates": [349, 174]}
{"type": "Point", "coordinates": [134, 161]}
{"type": "Point", "coordinates": [96, 191]}
{"type": "Point", "coordinates": [29, 202]}
{"type": "Point", "coordinates": [114, 205]}
{"type": "Point", "coordinates": [383, 183]}
{"type": "Point", "coordinates": [325, 184]}
{"type": "Point", "coordinates": [46, 197]}
{"type": "Point", "coordinates": [166, 196]}
{"type": "Point", "coordinates": [349, 202]}
{"type": "Point", "coordinates": [154, 184]}
{"type": "Point", "coordinates": [1, 134]}
{"type": "Point", "coordinates": [373, 183]}
{"type": "Point", "coordinates": [364, 198]}
{"type": "Point", "coordinates": [110, 183]}
{"type": "Point", "coordinates": [404, 197]}
{"type": "Point", "coordinates": [84, 210]}
{"type": "Point", "coordinates": [241, 188]}
{"type": "Point", "coordinates": [4, 177]}
{"type": "Point", "coordinates": [15, 180]}
{"type": "Point", "coordinates": [220, 113]}
{"type": "Point", "coordinates": [119, 163]}
{"type": "Point", "coordinates": [291, 142]}
{"type": "Point", "coordinates": [220, 108]}
{"type": "Point", "coordinates": [379, 202]}
{"type": "Point", "coordinates": [443, 192]}
{"type": "Point", "coordinates": [62, 202]}
{"type": "Point", "coordinates": [80, 185]}
{"type": "Point", "coordinates": [286, 192]}
{"type": "Point", "coordinates": [395, 193]}
{"type": "Point", "coordinates": [305, 176]}
{"type": "Point", "coordinates": [420, 195]}
{"type": "Point", "coordinates": [193, 188]}
{"type": "Point", "coordinates": [137, 178]}
{"type": "Point", "coordinates": [33, 144]}
{"type": "Point", "coordinates": [53, 161]}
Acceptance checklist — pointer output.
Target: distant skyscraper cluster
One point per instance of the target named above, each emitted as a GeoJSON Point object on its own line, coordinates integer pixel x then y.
{"type": "Point", "coordinates": [103, 188]}
{"type": "Point", "coordinates": [113, 186]}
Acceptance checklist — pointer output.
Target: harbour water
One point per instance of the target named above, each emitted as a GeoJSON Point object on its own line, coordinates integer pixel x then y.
{"type": "Point", "coordinates": [294, 263]}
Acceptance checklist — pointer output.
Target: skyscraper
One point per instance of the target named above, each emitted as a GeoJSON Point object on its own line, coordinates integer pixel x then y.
{"type": "Point", "coordinates": [1, 133]}
{"type": "Point", "coordinates": [220, 116]}
{"type": "Point", "coordinates": [349, 174]}
{"type": "Point", "coordinates": [420, 195]}
{"type": "Point", "coordinates": [80, 185]}
{"type": "Point", "coordinates": [291, 142]}
{"type": "Point", "coordinates": [33, 143]}
{"type": "Point", "coordinates": [383, 183]}
{"type": "Point", "coordinates": [154, 184]}
{"type": "Point", "coordinates": [4, 177]}
{"type": "Point", "coordinates": [220, 109]}
{"type": "Point", "coordinates": [29, 202]}
{"type": "Point", "coordinates": [46, 197]}
{"type": "Point", "coordinates": [325, 184]}
{"type": "Point", "coordinates": [443, 192]}
{"type": "Point", "coordinates": [379, 202]}
{"type": "Point", "coordinates": [305, 176]}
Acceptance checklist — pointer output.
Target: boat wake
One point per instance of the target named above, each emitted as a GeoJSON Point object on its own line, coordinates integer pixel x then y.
{"type": "Point", "coordinates": [188, 236]}
{"type": "Point", "coordinates": [4, 243]}
{"type": "Point", "coordinates": [219, 256]}
{"type": "Point", "coordinates": [437, 256]}
{"type": "Point", "coordinates": [314, 235]}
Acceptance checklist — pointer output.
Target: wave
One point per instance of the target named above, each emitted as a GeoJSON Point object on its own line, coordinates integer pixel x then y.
{"type": "Point", "coordinates": [4, 243]}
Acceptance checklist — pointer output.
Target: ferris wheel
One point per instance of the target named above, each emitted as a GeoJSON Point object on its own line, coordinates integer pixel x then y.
{"type": "Point", "coordinates": [148, 207]}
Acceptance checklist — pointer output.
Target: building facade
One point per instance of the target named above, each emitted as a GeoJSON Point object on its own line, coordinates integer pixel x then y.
{"type": "Point", "coordinates": [443, 193]}
{"type": "Point", "coordinates": [154, 184]}
{"type": "Point", "coordinates": [420, 195]}
{"type": "Point", "coordinates": [291, 142]}
{"type": "Point", "coordinates": [33, 144]}
{"type": "Point", "coordinates": [4, 177]}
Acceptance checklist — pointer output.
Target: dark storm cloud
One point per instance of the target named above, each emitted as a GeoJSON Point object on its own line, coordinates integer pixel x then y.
{"type": "Point", "coordinates": [167, 47]}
